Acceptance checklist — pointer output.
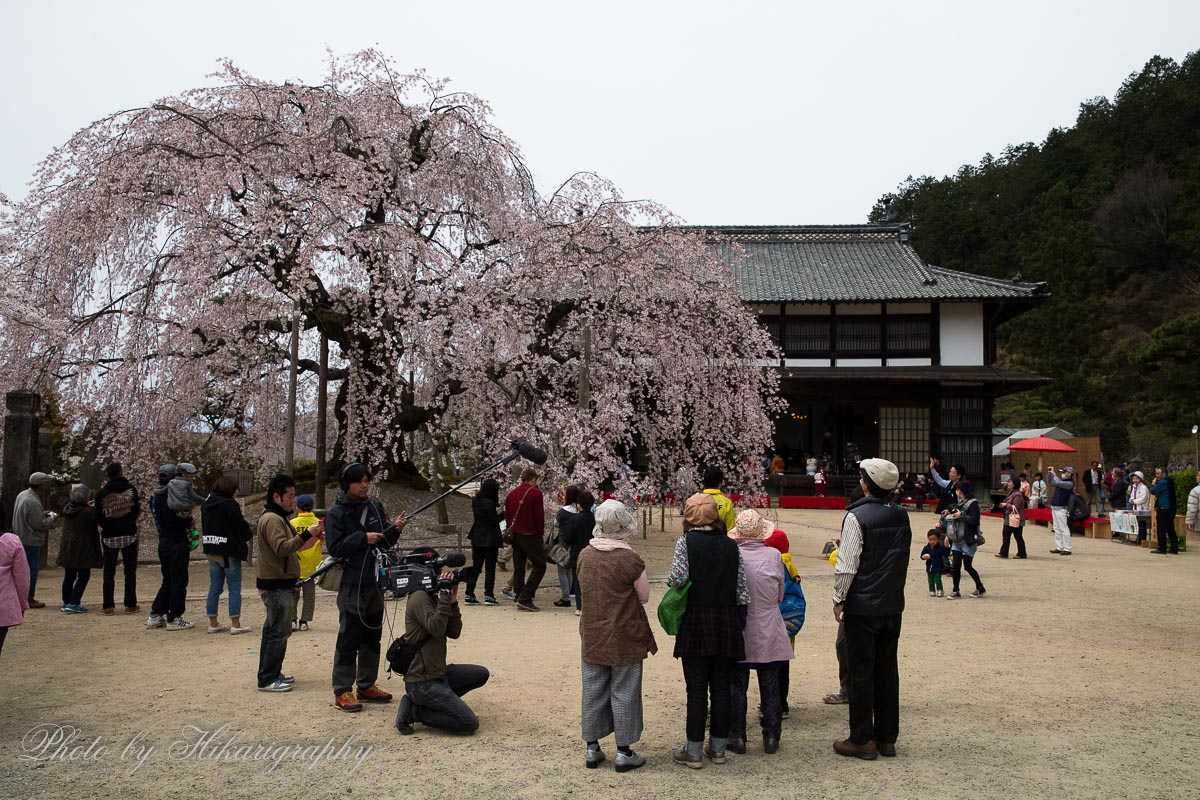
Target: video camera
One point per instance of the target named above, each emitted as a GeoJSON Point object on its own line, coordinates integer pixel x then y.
{"type": "Point", "coordinates": [403, 574]}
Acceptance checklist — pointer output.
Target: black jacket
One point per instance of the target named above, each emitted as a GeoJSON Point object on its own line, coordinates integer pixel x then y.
{"type": "Point", "coordinates": [117, 508]}
{"type": "Point", "coordinates": [172, 528]}
{"type": "Point", "coordinates": [346, 528]}
{"type": "Point", "coordinates": [226, 532]}
{"type": "Point", "coordinates": [1118, 493]}
{"type": "Point", "coordinates": [878, 587]}
{"type": "Point", "coordinates": [576, 532]}
{"type": "Point", "coordinates": [485, 529]}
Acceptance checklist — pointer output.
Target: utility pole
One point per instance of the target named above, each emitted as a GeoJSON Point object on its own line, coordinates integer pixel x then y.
{"type": "Point", "coordinates": [322, 419]}
{"type": "Point", "coordinates": [290, 443]}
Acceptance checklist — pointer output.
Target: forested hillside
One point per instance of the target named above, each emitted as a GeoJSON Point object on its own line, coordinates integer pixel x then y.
{"type": "Point", "coordinates": [1107, 213]}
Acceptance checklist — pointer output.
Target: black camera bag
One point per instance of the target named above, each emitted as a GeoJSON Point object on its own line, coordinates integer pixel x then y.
{"type": "Point", "coordinates": [401, 654]}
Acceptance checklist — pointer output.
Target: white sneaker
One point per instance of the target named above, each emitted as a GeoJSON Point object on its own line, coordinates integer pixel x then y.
{"type": "Point", "coordinates": [178, 624]}
{"type": "Point", "coordinates": [242, 629]}
{"type": "Point", "coordinates": [277, 686]}
{"type": "Point", "coordinates": [217, 628]}
{"type": "Point", "coordinates": [156, 621]}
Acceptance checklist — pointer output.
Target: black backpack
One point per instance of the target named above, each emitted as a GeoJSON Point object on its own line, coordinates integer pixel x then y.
{"type": "Point", "coordinates": [1077, 509]}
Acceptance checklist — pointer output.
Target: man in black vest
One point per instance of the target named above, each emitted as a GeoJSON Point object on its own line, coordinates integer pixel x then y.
{"type": "Point", "coordinates": [868, 598]}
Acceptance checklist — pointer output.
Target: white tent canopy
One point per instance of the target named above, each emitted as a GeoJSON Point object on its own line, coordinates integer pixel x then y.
{"type": "Point", "coordinates": [1001, 447]}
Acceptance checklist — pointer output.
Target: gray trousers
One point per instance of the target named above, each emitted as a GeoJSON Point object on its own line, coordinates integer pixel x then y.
{"type": "Point", "coordinates": [308, 593]}
{"type": "Point", "coordinates": [612, 702]}
{"type": "Point", "coordinates": [360, 630]}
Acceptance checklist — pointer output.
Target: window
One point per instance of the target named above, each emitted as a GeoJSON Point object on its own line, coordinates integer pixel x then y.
{"type": "Point", "coordinates": [772, 326]}
{"type": "Point", "coordinates": [965, 434]}
{"type": "Point", "coordinates": [904, 437]}
{"type": "Point", "coordinates": [909, 336]}
{"type": "Point", "coordinates": [806, 337]}
{"type": "Point", "coordinates": [966, 415]}
{"type": "Point", "coordinates": [859, 336]}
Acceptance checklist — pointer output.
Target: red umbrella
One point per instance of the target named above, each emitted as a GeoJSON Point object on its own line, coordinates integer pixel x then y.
{"type": "Point", "coordinates": [1042, 444]}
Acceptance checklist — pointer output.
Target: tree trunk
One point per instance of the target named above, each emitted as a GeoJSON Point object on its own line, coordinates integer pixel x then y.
{"type": "Point", "coordinates": [400, 469]}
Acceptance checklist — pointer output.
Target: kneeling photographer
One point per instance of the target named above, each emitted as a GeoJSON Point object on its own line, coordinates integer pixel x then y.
{"type": "Point", "coordinates": [433, 688]}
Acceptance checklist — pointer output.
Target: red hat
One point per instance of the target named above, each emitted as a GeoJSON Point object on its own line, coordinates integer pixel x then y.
{"type": "Point", "coordinates": [779, 540]}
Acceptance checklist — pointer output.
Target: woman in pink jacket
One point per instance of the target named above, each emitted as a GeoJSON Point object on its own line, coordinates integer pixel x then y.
{"type": "Point", "coordinates": [767, 645]}
{"type": "Point", "coordinates": [14, 584]}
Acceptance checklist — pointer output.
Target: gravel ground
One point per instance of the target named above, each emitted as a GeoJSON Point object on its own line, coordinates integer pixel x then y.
{"type": "Point", "coordinates": [1068, 680]}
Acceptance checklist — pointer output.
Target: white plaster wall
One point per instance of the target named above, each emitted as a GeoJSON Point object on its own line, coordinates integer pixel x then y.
{"type": "Point", "coordinates": [806, 362]}
{"type": "Point", "coordinates": [859, 362]}
{"type": "Point", "coordinates": [909, 362]}
{"type": "Point", "coordinates": [962, 334]}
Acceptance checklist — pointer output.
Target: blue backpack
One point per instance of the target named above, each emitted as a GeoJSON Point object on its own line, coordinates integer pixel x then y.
{"type": "Point", "coordinates": [793, 605]}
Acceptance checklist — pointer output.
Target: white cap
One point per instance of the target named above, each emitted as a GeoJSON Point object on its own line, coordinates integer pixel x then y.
{"type": "Point", "coordinates": [882, 472]}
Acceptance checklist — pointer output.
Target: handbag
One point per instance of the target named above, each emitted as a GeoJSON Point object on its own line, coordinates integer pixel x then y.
{"type": "Point", "coordinates": [558, 552]}
{"type": "Point", "coordinates": [330, 581]}
{"type": "Point", "coordinates": [670, 610]}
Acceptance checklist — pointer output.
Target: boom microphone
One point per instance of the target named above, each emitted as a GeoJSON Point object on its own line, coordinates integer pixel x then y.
{"type": "Point", "coordinates": [530, 453]}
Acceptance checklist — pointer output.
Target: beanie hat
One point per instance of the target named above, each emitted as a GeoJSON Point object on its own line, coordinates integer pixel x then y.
{"type": "Point", "coordinates": [779, 540]}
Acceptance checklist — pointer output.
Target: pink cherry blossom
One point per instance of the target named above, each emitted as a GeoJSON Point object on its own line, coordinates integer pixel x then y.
{"type": "Point", "coordinates": [155, 266]}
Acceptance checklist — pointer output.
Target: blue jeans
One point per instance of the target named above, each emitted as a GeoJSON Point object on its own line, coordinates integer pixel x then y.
{"type": "Point", "coordinates": [75, 581]}
{"type": "Point", "coordinates": [34, 556]}
{"type": "Point", "coordinates": [277, 627]}
{"type": "Point", "coordinates": [220, 575]}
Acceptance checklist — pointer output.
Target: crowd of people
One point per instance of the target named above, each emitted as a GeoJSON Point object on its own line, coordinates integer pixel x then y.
{"type": "Point", "coordinates": [733, 569]}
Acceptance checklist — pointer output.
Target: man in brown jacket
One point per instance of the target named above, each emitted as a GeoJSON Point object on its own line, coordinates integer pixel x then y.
{"type": "Point", "coordinates": [278, 572]}
{"type": "Point", "coordinates": [433, 689]}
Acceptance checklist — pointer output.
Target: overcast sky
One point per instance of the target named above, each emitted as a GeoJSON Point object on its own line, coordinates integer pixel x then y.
{"type": "Point", "coordinates": [726, 113]}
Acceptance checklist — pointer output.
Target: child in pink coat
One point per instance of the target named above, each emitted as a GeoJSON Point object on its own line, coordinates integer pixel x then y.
{"type": "Point", "coordinates": [14, 584]}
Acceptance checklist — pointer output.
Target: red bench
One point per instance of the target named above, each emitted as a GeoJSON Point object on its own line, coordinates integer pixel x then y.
{"type": "Point", "coordinates": [800, 501]}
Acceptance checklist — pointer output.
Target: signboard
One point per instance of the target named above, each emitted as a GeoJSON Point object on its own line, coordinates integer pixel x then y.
{"type": "Point", "coordinates": [1125, 522]}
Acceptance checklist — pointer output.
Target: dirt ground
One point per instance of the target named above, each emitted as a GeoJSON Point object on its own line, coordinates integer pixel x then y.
{"type": "Point", "coordinates": [1073, 678]}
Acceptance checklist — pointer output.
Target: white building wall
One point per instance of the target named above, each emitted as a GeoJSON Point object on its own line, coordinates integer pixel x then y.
{"type": "Point", "coordinates": [962, 334]}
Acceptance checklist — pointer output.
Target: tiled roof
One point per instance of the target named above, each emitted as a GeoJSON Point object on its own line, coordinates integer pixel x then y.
{"type": "Point", "coordinates": [846, 264]}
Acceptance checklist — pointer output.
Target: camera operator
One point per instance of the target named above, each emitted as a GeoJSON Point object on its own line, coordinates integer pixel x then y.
{"type": "Point", "coordinates": [433, 689]}
{"type": "Point", "coordinates": [353, 528]}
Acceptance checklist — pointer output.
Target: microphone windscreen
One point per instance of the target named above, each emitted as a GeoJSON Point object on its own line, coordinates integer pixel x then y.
{"type": "Point", "coordinates": [530, 453]}
{"type": "Point", "coordinates": [456, 560]}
